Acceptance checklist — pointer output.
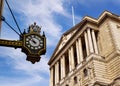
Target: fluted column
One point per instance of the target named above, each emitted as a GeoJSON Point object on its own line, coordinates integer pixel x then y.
{"type": "Point", "coordinates": [63, 66]}
{"type": "Point", "coordinates": [80, 49]}
{"type": "Point", "coordinates": [90, 41]}
{"type": "Point", "coordinates": [70, 62]}
{"type": "Point", "coordinates": [56, 72]}
{"type": "Point", "coordinates": [78, 53]}
{"type": "Point", "coordinates": [94, 42]}
{"type": "Point", "coordinates": [62, 61]}
{"type": "Point", "coordinates": [86, 43]}
{"type": "Point", "coordinates": [51, 76]}
{"type": "Point", "coordinates": [71, 58]}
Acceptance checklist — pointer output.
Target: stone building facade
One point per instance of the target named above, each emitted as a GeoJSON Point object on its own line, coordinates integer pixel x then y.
{"type": "Point", "coordinates": [88, 54]}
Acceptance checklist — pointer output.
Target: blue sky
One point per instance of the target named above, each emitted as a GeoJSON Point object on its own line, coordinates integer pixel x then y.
{"type": "Point", "coordinates": [55, 18]}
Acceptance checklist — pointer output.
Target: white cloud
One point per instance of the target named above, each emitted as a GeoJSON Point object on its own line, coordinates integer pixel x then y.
{"type": "Point", "coordinates": [18, 63]}
{"type": "Point", "coordinates": [31, 81]}
{"type": "Point", "coordinates": [42, 12]}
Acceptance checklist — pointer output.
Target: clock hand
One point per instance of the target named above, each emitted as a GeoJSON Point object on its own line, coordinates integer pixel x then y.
{"type": "Point", "coordinates": [33, 41]}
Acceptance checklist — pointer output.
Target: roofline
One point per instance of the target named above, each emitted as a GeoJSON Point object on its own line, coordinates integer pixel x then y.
{"type": "Point", "coordinates": [85, 20]}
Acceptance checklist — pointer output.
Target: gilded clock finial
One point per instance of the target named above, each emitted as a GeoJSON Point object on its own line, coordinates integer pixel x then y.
{"type": "Point", "coordinates": [34, 23]}
{"type": "Point", "coordinates": [34, 28]}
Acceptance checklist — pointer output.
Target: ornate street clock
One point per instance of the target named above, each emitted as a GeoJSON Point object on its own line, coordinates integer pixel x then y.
{"type": "Point", "coordinates": [32, 43]}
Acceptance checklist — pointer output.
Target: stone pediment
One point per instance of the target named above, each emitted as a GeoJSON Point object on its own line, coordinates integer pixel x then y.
{"type": "Point", "coordinates": [63, 41]}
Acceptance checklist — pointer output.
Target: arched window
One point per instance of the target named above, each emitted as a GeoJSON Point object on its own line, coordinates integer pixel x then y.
{"type": "Point", "coordinates": [75, 80]}
{"type": "Point", "coordinates": [85, 71]}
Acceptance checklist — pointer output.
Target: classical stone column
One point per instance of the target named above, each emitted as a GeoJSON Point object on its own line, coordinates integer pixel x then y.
{"type": "Point", "coordinates": [71, 58]}
{"type": "Point", "coordinates": [62, 62]}
{"type": "Point", "coordinates": [63, 58]}
{"type": "Point", "coordinates": [80, 49]}
{"type": "Point", "coordinates": [86, 43]}
{"type": "Point", "coordinates": [70, 61]}
{"type": "Point", "coordinates": [94, 42]}
{"type": "Point", "coordinates": [78, 53]}
{"type": "Point", "coordinates": [90, 41]}
{"type": "Point", "coordinates": [51, 76]}
{"type": "Point", "coordinates": [56, 72]}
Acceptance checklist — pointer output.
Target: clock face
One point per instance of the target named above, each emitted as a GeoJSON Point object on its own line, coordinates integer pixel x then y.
{"type": "Point", "coordinates": [34, 42]}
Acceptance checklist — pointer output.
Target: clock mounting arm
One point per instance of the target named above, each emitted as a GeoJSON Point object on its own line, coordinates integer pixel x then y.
{"type": "Point", "coordinates": [11, 43]}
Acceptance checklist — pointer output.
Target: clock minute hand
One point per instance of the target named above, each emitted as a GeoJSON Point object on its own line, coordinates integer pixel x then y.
{"type": "Point", "coordinates": [33, 41]}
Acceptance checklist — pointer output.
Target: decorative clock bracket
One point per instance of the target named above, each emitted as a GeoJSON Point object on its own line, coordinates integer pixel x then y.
{"type": "Point", "coordinates": [32, 43]}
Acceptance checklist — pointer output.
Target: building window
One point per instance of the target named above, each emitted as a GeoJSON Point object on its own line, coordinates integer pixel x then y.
{"type": "Point", "coordinates": [66, 63]}
{"type": "Point", "coordinates": [85, 71]}
{"type": "Point", "coordinates": [75, 55]}
{"type": "Point", "coordinates": [75, 80]}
